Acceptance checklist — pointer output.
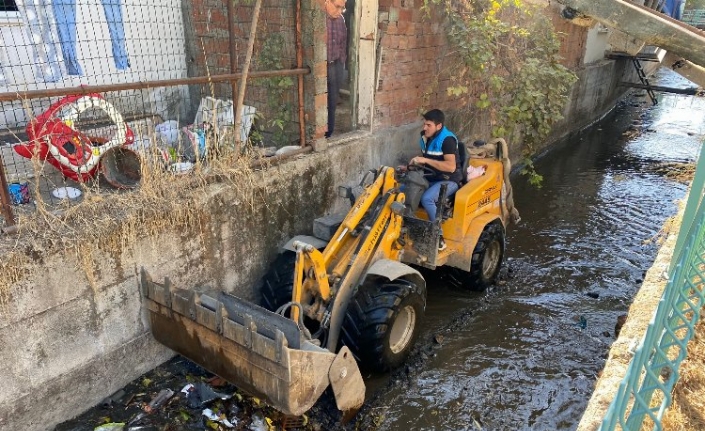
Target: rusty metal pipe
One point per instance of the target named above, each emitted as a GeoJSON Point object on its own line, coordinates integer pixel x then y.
{"type": "Point", "coordinates": [5, 197]}
{"type": "Point", "coordinates": [86, 89]}
{"type": "Point", "coordinates": [299, 65]}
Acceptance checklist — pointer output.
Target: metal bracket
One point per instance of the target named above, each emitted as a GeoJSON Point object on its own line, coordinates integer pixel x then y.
{"type": "Point", "coordinates": [644, 80]}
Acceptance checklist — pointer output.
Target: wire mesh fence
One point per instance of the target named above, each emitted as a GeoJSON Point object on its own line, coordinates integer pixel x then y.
{"type": "Point", "coordinates": [646, 389]}
{"type": "Point", "coordinates": [57, 143]}
{"type": "Point", "coordinates": [694, 17]}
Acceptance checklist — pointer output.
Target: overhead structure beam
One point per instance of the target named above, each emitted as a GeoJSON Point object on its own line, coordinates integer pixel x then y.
{"type": "Point", "coordinates": [685, 68]}
{"type": "Point", "coordinates": [645, 24]}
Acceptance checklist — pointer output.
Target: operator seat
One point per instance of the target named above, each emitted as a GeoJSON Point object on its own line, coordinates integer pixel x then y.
{"type": "Point", "coordinates": [464, 162]}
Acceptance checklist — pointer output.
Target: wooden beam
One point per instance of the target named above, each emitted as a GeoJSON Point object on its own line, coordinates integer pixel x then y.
{"type": "Point", "coordinates": [645, 24]}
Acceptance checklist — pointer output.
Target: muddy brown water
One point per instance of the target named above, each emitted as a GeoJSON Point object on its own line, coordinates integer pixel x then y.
{"type": "Point", "coordinates": [524, 355]}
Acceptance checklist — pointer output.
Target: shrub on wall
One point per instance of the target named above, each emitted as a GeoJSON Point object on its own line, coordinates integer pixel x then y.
{"type": "Point", "coordinates": [508, 66]}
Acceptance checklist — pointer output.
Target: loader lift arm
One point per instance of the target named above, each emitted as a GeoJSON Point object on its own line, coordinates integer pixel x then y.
{"type": "Point", "coordinates": [273, 356]}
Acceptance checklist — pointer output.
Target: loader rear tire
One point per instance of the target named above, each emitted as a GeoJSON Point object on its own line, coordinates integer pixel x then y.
{"type": "Point", "coordinates": [278, 283]}
{"type": "Point", "coordinates": [486, 260]}
{"type": "Point", "coordinates": [383, 322]}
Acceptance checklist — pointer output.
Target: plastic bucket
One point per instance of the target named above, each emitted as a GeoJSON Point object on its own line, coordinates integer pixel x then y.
{"type": "Point", "coordinates": [121, 168]}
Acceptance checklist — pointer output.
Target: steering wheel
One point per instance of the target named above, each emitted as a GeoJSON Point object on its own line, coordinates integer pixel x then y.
{"type": "Point", "coordinates": [425, 169]}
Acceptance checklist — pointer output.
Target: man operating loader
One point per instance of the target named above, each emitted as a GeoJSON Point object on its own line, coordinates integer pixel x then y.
{"type": "Point", "coordinates": [439, 147]}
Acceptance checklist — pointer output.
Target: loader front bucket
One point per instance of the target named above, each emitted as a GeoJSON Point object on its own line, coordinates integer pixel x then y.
{"type": "Point", "coordinates": [258, 351]}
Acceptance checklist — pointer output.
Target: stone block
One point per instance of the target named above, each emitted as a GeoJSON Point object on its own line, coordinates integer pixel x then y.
{"type": "Point", "coordinates": [320, 144]}
{"type": "Point", "coordinates": [325, 227]}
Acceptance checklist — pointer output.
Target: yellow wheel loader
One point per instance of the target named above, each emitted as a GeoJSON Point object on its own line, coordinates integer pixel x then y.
{"type": "Point", "coordinates": [350, 294]}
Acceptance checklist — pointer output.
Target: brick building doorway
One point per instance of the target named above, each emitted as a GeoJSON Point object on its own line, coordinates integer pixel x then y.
{"type": "Point", "coordinates": [344, 112]}
{"type": "Point", "coordinates": [354, 110]}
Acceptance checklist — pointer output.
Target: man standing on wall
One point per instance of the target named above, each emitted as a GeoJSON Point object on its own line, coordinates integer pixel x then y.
{"type": "Point", "coordinates": [337, 43]}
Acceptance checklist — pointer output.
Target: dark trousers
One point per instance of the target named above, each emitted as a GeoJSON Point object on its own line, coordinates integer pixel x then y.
{"type": "Point", "coordinates": [335, 81]}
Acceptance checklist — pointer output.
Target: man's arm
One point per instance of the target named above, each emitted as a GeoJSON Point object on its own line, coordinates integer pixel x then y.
{"type": "Point", "coordinates": [450, 146]}
{"type": "Point", "coordinates": [445, 165]}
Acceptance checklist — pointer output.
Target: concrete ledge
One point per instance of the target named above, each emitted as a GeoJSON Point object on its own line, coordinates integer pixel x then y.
{"type": "Point", "coordinates": [82, 387]}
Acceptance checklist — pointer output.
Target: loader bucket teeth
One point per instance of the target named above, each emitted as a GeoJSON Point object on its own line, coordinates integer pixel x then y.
{"type": "Point", "coordinates": [346, 380]}
{"type": "Point", "coordinates": [259, 351]}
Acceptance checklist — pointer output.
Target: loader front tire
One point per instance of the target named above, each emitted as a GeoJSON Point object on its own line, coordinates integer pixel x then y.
{"type": "Point", "coordinates": [383, 322]}
{"type": "Point", "coordinates": [486, 260]}
{"type": "Point", "coordinates": [278, 283]}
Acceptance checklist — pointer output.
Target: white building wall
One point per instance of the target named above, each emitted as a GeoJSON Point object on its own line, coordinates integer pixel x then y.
{"type": "Point", "coordinates": [154, 33]}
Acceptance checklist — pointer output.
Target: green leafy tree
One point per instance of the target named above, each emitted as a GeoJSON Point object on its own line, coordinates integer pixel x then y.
{"type": "Point", "coordinates": [508, 56]}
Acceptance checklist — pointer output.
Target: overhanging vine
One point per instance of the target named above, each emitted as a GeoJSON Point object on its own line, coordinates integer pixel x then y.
{"type": "Point", "coordinates": [508, 61]}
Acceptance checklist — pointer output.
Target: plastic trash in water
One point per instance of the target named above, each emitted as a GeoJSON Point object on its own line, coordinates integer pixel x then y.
{"type": "Point", "coordinates": [260, 423]}
{"type": "Point", "coordinates": [162, 397]}
{"type": "Point", "coordinates": [114, 398]}
{"type": "Point", "coordinates": [200, 394]}
{"type": "Point", "coordinates": [210, 414]}
{"type": "Point", "coordinates": [114, 426]}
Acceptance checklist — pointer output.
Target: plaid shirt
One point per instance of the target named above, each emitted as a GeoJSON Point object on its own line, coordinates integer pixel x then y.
{"type": "Point", "coordinates": [337, 39]}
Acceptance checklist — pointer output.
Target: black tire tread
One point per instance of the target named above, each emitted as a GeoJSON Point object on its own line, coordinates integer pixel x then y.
{"type": "Point", "coordinates": [278, 283]}
{"type": "Point", "coordinates": [473, 279]}
{"type": "Point", "coordinates": [369, 316]}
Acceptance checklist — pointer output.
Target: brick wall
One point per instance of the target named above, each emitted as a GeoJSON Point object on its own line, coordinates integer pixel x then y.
{"type": "Point", "coordinates": [208, 47]}
{"type": "Point", "coordinates": [573, 39]}
{"type": "Point", "coordinates": [413, 56]}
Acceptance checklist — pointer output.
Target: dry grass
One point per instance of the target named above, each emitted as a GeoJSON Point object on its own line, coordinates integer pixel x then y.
{"type": "Point", "coordinates": [687, 412]}
{"type": "Point", "coordinates": [109, 222]}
